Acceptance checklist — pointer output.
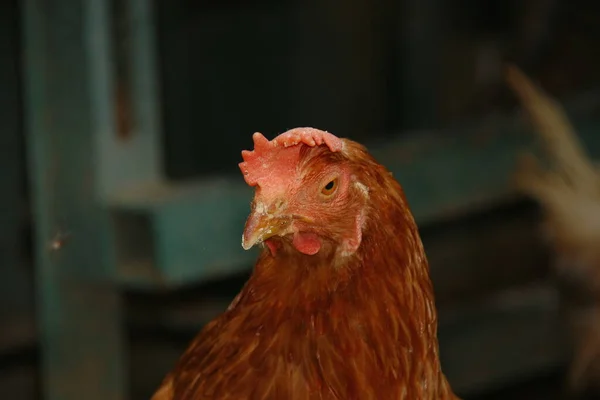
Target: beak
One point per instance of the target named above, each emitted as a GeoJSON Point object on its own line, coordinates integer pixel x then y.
{"type": "Point", "coordinates": [261, 226]}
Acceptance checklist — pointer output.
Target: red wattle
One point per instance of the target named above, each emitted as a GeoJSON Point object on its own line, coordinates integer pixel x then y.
{"type": "Point", "coordinates": [307, 243]}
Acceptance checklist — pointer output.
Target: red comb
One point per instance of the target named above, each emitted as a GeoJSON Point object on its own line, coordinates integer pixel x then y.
{"type": "Point", "coordinates": [278, 158]}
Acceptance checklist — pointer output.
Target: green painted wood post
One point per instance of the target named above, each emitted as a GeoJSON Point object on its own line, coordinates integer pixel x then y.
{"type": "Point", "coordinates": [128, 153]}
{"type": "Point", "coordinates": [78, 303]}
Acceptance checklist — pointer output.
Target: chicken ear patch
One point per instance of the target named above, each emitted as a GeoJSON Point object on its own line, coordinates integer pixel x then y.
{"type": "Point", "coordinates": [350, 245]}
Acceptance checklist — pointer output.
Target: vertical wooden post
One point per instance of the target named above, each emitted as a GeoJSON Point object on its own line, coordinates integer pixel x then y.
{"type": "Point", "coordinates": [78, 304]}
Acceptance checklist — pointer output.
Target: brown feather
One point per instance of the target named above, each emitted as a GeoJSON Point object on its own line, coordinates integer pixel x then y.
{"type": "Point", "coordinates": [319, 327]}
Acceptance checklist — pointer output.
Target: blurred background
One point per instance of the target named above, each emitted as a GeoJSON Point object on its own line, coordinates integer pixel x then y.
{"type": "Point", "coordinates": [122, 123]}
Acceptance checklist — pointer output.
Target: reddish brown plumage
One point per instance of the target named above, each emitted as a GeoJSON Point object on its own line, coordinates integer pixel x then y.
{"type": "Point", "coordinates": [357, 324]}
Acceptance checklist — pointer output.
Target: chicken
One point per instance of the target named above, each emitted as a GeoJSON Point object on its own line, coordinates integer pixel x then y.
{"type": "Point", "coordinates": [340, 304]}
{"type": "Point", "coordinates": [569, 192]}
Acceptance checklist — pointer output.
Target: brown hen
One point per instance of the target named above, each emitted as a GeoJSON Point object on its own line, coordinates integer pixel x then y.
{"type": "Point", "coordinates": [340, 304]}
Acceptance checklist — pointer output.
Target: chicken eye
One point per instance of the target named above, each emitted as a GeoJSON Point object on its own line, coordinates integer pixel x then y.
{"type": "Point", "coordinates": [329, 188]}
